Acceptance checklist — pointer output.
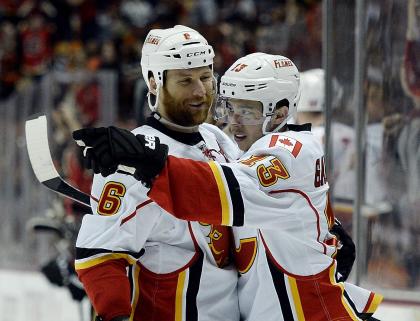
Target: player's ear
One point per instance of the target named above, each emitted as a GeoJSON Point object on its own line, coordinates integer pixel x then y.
{"type": "Point", "coordinates": [279, 115]}
{"type": "Point", "coordinates": [152, 85]}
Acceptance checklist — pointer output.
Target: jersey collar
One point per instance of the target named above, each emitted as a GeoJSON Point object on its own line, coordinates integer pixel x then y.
{"type": "Point", "coordinates": [185, 138]}
{"type": "Point", "coordinates": [300, 128]}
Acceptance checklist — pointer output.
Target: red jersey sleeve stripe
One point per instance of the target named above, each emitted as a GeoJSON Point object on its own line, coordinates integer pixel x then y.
{"type": "Point", "coordinates": [189, 190]}
{"type": "Point", "coordinates": [373, 303]}
{"type": "Point", "coordinates": [129, 217]}
{"type": "Point", "coordinates": [199, 191]}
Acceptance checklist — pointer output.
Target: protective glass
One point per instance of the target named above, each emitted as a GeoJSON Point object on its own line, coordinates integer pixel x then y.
{"type": "Point", "coordinates": [238, 113]}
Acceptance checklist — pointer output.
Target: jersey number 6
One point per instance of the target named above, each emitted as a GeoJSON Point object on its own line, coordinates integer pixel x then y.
{"type": "Point", "coordinates": [110, 200]}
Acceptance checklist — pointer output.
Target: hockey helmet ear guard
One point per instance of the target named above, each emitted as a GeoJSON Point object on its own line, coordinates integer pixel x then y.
{"type": "Point", "coordinates": [264, 78]}
{"type": "Point", "coordinates": [179, 47]}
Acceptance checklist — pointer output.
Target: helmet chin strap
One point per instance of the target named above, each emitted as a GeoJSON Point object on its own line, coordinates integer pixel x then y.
{"type": "Point", "coordinates": [173, 126]}
{"type": "Point", "coordinates": [267, 120]}
{"type": "Point", "coordinates": [214, 99]}
{"type": "Point", "coordinates": [167, 122]}
{"type": "Point", "coordinates": [163, 120]}
{"type": "Point", "coordinates": [265, 124]}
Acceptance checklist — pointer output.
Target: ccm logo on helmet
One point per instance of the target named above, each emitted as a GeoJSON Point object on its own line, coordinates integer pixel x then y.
{"type": "Point", "coordinates": [197, 53]}
{"type": "Point", "coordinates": [283, 63]}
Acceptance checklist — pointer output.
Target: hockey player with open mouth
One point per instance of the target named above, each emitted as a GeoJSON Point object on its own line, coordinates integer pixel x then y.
{"type": "Point", "coordinates": [275, 197]}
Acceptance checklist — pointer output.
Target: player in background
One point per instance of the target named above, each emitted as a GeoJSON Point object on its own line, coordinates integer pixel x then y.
{"type": "Point", "coordinates": [177, 270]}
{"type": "Point", "coordinates": [402, 148]}
{"type": "Point", "coordinates": [275, 196]}
{"type": "Point", "coordinates": [408, 141]}
{"type": "Point", "coordinates": [311, 110]}
{"type": "Point", "coordinates": [343, 177]}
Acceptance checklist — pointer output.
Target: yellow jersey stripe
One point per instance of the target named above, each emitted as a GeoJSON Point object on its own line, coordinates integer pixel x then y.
{"type": "Point", "coordinates": [104, 258]}
{"type": "Point", "coordinates": [222, 193]}
{"type": "Point", "coordinates": [348, 308]}
{"type": "Point", "coordinates": [296, 299]}
{"type": "Point", "coordinates": [136, 284]}
{"type": "Point", "coordinates": [375, 303]}
{"type": "Point", "coordinates": [179, 295]}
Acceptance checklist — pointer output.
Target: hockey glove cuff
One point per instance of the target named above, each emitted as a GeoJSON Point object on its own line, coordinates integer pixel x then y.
{"type": "Point", "coordinates": [346, 254]}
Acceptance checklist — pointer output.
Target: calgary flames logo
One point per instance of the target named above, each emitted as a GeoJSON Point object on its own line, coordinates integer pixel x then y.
{"type": "Point", "coordinates": [218, 239]}
{"type": "Point", "coordinates": [245, 254]}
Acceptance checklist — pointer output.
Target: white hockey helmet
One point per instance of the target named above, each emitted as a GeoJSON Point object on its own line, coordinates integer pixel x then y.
{"type": "Point", "coordinates": [264, 78]}
{"type": "Point", "coordinates": [312, 87]}
{"type": "Point", "coordinates": [312, 91]}
{"type": "Point", "coordinates": [179, 47]}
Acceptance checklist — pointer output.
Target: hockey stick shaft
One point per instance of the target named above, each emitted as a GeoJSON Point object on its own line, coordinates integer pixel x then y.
{"type": "Point", "coordinates": [36, 131]}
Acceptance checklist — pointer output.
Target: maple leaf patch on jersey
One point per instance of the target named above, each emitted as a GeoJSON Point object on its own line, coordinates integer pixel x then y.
{"type": "Point", "coordinates": [292, 145]}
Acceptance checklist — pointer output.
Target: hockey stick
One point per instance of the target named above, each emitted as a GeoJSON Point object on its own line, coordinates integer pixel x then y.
{"type": "Point", "coordinates": [36, 131]}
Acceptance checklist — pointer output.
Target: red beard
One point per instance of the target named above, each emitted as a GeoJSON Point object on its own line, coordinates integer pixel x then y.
{"type": "Point", "coordinates": [179, 112]}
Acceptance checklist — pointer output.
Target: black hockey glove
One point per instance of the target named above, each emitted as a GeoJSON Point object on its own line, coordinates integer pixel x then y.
{"type": "Point", "coordinates": [105, 148]}
{"type": "Point", "coordinates": [346, 254]}
{"type": "Point", "coordinates": [60, 271]}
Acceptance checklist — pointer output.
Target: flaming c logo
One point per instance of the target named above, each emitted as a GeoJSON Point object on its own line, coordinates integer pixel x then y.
{"type": "Point", "coordinates": [219, 242]}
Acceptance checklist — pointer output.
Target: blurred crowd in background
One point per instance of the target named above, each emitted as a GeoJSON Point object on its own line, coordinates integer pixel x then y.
{"type": "Point", "coordinates": [71, 35]}
{"type": "Point", "coordinates": [78, 39]}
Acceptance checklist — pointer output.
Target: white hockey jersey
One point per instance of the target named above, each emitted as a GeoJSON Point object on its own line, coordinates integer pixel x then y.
{"type": "Point", "coordinates": [276, 195]}
{"type": "Point", "coordinates": [179, 270]}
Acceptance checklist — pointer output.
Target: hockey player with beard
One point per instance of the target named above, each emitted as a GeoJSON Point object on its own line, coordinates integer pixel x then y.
{"type": "Point", "coordinates": [177, 270]}
{"type": "Point", "coordinates": [275, 196]}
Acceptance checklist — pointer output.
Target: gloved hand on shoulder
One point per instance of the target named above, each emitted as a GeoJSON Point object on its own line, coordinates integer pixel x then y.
{"type": "Point", "coordinates": [105, 148]}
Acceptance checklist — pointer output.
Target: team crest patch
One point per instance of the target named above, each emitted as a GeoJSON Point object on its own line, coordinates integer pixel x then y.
{"type": "Point", "coordinates": [292, 145]}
